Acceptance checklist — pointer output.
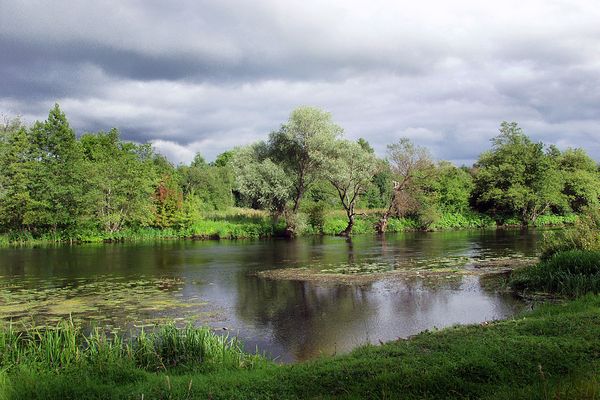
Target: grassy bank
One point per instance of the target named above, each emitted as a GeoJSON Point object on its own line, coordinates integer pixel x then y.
{"type": "Point", "coordinates": [552, 352]}
{"type": "Point", "coordinates": [253, 224]}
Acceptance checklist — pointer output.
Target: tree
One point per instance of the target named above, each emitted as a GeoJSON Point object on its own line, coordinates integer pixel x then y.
{"type": "Point", "coordinates": [210, 184]}
{"type": "Point", "coordinates": [517, 178]}
{"type": "Point", "coordinates": [350, 169]}
{"type": "Point", "coordinates": [296, 147]}
{"type": "Point", "coordinates": [15, 175]}
{"type": "Point", "coordinates": [259, 179]}
{"type": "Point", "coordinates": [410, 166]}
{"type": "Point", "coordinates": [451, 188]}
{"type": "Point", "coordinates": [56, 185]}
{"type": "Point", "coordinates": [121, 180]}
{"type": "Point", "coordinates": [581, 179]}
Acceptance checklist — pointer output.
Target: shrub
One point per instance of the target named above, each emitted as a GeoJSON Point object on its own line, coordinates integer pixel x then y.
{"type": "Point", "coordinates": [569, 273]}
{"type": "Point", "coordinates": [584, 235]}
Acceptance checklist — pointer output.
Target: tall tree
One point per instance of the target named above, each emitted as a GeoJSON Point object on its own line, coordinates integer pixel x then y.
{"type": "Point", "coordinates": [15, 173]}
{"type": "Point", "coordinates": [350, 168]}
{"type": "Point", "coordinates": [517, 177]}
{"type": "Point", "coordinates": [121, 180]}
{"type": "Point", "coordinates": [57, 174]}
{"type": "Point", "coordinates": [296, 147]}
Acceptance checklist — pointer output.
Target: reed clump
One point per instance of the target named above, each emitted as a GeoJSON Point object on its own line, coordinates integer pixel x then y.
{"type": "Point", "coordinates": [568, 273]}
{"type": "Point", "coordinates": [66, 346]}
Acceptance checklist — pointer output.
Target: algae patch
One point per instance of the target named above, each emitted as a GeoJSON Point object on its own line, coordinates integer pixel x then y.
{"type": "Point", "coordinates": [102, 300]}
{"type": "Point", "coordinates": [441, 267]}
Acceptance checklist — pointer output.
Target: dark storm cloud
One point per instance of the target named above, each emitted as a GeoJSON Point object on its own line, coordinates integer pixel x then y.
{"type": "Point", "coordinates": [206, 75]}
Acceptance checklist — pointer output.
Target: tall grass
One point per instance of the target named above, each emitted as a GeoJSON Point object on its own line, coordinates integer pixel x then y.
{"type": "Point", "coordinates": [570, 273]}
{"type": "Point", "coordinates": [65, 345]}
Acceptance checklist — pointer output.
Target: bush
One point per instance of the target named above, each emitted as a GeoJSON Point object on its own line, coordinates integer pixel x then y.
{"type": "Point", "coordinates": [570, 273]}
{"type": "Point", "coordinates": [316, 217]}
{"type": "Point", "coordinates": [584, 235]}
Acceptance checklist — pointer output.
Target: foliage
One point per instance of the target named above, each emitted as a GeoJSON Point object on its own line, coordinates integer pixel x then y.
{"type": "Point", "coordinates": [211, 185]}
{"type": "Point", "coordinates": [56, 173]}
{"type": "Point", "coordinates": [581, 179]}
{"type": "Point", "coordinates": [568, 273]}
{"type": "Point", "coordinates": [583, 235]}
{"type": "Point", "coordinates": [298, 145]}
{"type": "Point", "coordinates": [350, 169]}
{"type": "Point", "coordinates": [121, 180]}
{"type": "Point", "coordinates": [517, 178]}
{"type": "Point", "coordinates": [15, 179]}
{"type": "Point", "coordinates": [412, 168]}
{"type": "Point", "coordinates": [261, 180]}
{"type": "Point", "coordinates": [57, 187]}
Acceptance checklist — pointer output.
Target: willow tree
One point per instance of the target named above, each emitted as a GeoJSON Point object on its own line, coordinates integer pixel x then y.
{"type": "Point", "coordinates": [297, 146]}
{"type": "Point", "coordinates": [350, 169]}
{"type": "Point", "coordinates": [261, 181]}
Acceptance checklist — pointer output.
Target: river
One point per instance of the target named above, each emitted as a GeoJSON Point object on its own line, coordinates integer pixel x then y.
{"type": "Point", "coordinates": [124, 287]}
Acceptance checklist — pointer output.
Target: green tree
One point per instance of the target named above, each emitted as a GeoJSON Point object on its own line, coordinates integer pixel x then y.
{"type": "Point", "coordinates": [350, 169]}
{"type": "Point", "coordinates": [452, 188]}
{"type": "Point", "coordinates": [15, 175]}
{"type": "Point", "coordinates": [411, 167]}
{"type": "Point", "coordinates": [211, 185]}
{"type": "Point", "coordinates": [297, 145]}
{"type": "Point", "coordinates": [517, 177]}
{"type": "Point", "coordinates": [56, 185]}
{"type": "Point", "coordinates": [121, 179]}
{"type": "Point", "coordinates": [264, 183]}
{"type": "Point", "coordinates": [581, 179]}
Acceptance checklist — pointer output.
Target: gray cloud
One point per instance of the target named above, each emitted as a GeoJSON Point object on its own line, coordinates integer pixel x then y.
{"type": "Point", "coordinates": [207, 75]}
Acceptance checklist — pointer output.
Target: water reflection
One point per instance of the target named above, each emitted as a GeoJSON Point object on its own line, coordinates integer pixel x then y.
{"type": "Point", "coordinates": [291, 320]}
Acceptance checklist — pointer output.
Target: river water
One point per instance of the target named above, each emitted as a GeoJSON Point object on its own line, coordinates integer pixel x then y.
{"type": "Point", "coordinates": [124, 287]}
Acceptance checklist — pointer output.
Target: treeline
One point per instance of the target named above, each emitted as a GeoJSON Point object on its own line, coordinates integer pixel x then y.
{"type": "Point", "coordinates": [52, 182]}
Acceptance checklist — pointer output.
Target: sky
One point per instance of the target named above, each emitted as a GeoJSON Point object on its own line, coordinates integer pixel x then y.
{"type": "Point", "coordinates": [205, 76]}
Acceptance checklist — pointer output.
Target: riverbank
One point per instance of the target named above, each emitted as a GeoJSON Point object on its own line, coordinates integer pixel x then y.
{"type": "Point", "coordinates": [254, 224]}
{"type": "Point", "coordinates": [550, 352]}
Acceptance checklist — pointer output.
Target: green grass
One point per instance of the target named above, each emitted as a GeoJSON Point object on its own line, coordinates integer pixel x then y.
{"type": "Point", "coordinates": [64, 347]}
{"type": "Point", "coordinates": [550, 353]}
{"type": "Point", "coordinates": [568, 273]}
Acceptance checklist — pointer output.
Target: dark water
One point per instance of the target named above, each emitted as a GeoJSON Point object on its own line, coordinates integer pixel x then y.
{"type": "Point", "coordinates": [215, 283]}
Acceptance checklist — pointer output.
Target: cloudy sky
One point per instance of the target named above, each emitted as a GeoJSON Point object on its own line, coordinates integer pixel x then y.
{"type": "Point", "coordinates": [197, 75]}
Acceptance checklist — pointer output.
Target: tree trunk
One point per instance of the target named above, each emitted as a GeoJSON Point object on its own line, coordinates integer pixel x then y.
{"type": "Point", "coordinates": [348, 231]}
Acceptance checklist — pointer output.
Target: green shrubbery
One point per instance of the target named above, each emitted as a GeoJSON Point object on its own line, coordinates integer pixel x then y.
{"type": "Point", "coordinates": [569, 273]}
{"type": "Point", "coordinates": [584, 235]}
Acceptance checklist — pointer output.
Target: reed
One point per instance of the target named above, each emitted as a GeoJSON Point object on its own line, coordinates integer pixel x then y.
{"type": "Point", "coordinates": [65, 345]}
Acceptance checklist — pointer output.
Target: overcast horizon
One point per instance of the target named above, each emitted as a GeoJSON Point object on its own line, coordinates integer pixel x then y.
{"type": "Point", "coordinates": [207, 76]}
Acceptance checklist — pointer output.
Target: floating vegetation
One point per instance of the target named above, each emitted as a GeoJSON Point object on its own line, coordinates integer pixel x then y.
{"type": "Point", "coordinates": [101, 300]}
{"type": "Point", "coordinates": [366, 268]}
{"type": "Point", "coordinates": [357, 273]}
